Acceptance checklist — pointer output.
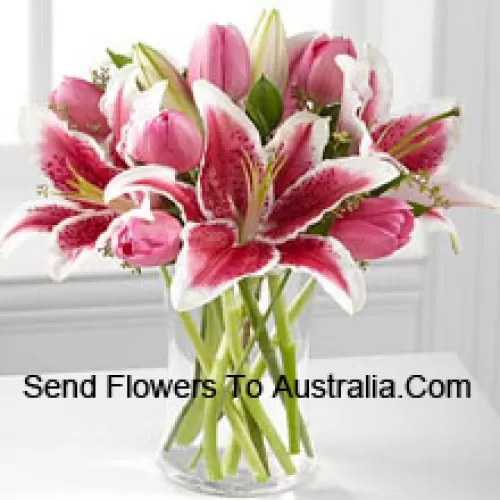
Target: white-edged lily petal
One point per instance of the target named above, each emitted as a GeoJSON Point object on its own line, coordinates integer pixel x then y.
{"type": "Point", "coordinates": [232, 146]}
{"type": "Point", "coordinates": [159, 180]}
{"type": "Point", "coordinates": [74, 240]}
{"type": "Point", "coordinates": [211, 261]}
{"type": "Point", "coordinates": [118, 100]}
{"type": "Point", "coordinates": [330, 263]}
{"type": "Point", "coordinates": [435, 221]}
{"type": "Point", "coordinates": [33, 217]}
{"type": "Point", "coordinates": [298, 147]}
{"type": "Point", "coordinates": [321, 190]}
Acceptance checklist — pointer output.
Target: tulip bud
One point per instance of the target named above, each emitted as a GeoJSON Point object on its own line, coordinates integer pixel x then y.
{"type": "Point", "coordinates": [77, 101]}
{"type": "Point", "coordinates": [154, 67]}
{"type": "Point", "coordinates": [376, 229]}
{"type": "Point", "coordinates": [268, 50]}
{"type": "Point", "coordinates": [144, 243]}
{"type": "Point", "coordinates": [221, 57]}
{"type": "Point", "coordinates": [169, 138]}
{"type": "Point", "coordinates": [317, 74]}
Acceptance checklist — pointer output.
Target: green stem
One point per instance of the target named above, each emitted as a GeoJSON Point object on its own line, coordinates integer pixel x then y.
{"type": "Point", "coordinates": [196, 459]}
{"type": "Point", "coordinates": [288, 355]}
{"type": "Point", "coordinates": [232, 414]}
{"type": "Point", "coordinates": [268, 357]}
{"type": "Point", "coordinates": [211, 417]}
{"type": "Point", "coordinates": [253, 405]}
{"type": "Point", "coordinates": [231, 458]}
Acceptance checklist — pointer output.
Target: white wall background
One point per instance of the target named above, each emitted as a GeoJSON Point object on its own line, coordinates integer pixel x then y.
{"type": "Point", "coordinates": [425, 300]}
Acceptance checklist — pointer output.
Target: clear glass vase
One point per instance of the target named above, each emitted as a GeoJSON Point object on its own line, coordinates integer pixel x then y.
{"type": "Point", "coordinates": [240, 431]}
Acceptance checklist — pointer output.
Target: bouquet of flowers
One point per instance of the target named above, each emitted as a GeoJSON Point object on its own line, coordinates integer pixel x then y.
{"type": "Point", "coordinates": [257, 161]}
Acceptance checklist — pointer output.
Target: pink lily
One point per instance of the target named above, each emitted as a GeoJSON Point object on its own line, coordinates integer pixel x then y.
{"type": "Point", "coordinates": [252, 205]}
{"type": "Point", "coordinates": [75, 167]}
{"type": "Point", "coordinates": [419, 141]}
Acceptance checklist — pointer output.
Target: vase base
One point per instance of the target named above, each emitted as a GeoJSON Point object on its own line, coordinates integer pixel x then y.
{"type": "Point", "coordinates": [175, 466]}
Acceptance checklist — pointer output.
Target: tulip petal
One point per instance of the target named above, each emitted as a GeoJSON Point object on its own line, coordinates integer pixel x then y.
{"type": "Point", "coordinates": [321, 190]}
{"type": "Point", "coordinates": [77, 101]}
{"type": "Point", "coordinates": [429, 149]}
{"type": "Point", "coordinates": [157, 137]}
{"type": "Point", "coordinates": [231, 140]}
{"type": "Point", "coordinates": [159, 180]}
{"type": "Point", "coordinates": [74, 239]}
{"type": "Point", "coordinates": [61, 152]}
{"type": "Point", "coordinates": [298, 146]}
{"type": "Point", "coordinates": [211, 261]}
{"type": "Point", "coordinates": [31, 218]}
{"type": "Point", "coordinates": [365, 241]}
{"type": "Point", "coordinates": [328, 261]}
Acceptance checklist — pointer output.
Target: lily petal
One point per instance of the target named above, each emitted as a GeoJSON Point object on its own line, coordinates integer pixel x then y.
{"type": "Point", "coordinates": [74, 239]}
{"type": "Point", "coordinates": [328, 261]}
{"type": "Point", "coordinates": [429, 149]}
{"type": "Point", "coordinates": [117, 103]}
{"type": "Point", "coordinates": [231, 140]}
{"type": "Point", "coordinates": [377, 109]}
{"type": "Point", "coordinates": [118, 100]}
{"type": "Point", "coordinates": [31, 218]}
{"type": "Point", "coordinates": [436, 221]}
{"type": "Point", "coordinates": [321, 190]}
{"type": "Point", "coordinates": [355, 94]}
{"type": "Point", "coordinates": [298, 147]}
{"type": "Point", "coordinates": [211, 261]}
{"type": "Point", "coordinates": [461, 194]}
{"type": "Point", "coordinates": [61, 152]}
{"type": "Point", "coordinates": [458, 193]}
{"type": "Point", "coordinates": [158, 180]}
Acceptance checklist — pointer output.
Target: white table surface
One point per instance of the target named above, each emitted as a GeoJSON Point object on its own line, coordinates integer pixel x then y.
{"type": "Point", "coordinates": [374, 449]}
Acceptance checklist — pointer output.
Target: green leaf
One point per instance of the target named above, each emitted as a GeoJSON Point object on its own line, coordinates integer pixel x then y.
{"type": "Point", "coordinates": [418, 209]}
{"type": "Point", "coordinates": [264, 106]}
{"type": "Point", "coordinates": [322, 228]}
{"type": "Point", "coordinates": [332, 112]}
{"type": "Point", "coordinates": [119, 60]}
{"type": "Point", "coordinates": [192, 423]}
{"type": "Point", "coordinates": [338, 146]}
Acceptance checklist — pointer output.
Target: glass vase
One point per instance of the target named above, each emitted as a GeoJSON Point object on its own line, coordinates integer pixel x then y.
{"type": "Point", "coordinates": [235, 426]}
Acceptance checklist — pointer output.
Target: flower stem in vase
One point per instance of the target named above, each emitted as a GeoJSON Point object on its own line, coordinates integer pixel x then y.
{"type": "Point", "coordinates": [267, 358]}
{"type": "Point", "coordinates": [288, 349]}
{"type": "Point", "coordinates": [239, 428]}
{"type": "Point", "coordinates": [252, 405]}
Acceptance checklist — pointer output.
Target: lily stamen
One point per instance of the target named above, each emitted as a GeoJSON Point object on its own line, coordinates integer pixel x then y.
{"type": "Point", "coordinates": [258, 187]}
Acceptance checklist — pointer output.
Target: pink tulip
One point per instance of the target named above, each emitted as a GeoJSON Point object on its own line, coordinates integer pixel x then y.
{"type": "Point", "coordinates": [378, 228]}
{"type": "Point", "coordinates": [77, 101]}
{"type": "Point", "coordinates": [170, 139]}
{"type": "Point", "coordinates": [317, 74]}
{"type": "Point", "coordinates": [221, 56]}
{"type": "Point", "coordinates": [144, 243]}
